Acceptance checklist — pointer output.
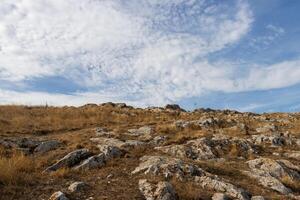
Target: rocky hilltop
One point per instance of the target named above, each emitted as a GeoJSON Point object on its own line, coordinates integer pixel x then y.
{"type": "Point", "coordinates": [114, 151]}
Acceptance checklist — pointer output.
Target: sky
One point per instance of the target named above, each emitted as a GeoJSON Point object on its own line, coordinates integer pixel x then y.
{"type": "Point", "coordinates": [233, 54]}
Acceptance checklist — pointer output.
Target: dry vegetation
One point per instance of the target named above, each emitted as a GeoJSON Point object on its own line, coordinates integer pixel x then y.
{"type": "Point", "coordinates": [17, 169]}
{"type": "Point", "coordinates": [22, 177]}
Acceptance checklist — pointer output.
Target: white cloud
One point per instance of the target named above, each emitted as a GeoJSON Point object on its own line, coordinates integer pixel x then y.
{"type": "Point", "coordinates": [142, 48]}
{"type": "Point", "coordinates": [139, 51]}
{"type": "Point", "coordinates": [275, 76]}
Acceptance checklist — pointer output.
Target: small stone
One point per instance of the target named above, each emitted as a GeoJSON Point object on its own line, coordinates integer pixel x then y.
{"type": "Point", "coordinates": [77, 186]}
{"type": "Point", "coordinates": [58, 196]}
{"type": "Point", "coordinates": [109, 176]}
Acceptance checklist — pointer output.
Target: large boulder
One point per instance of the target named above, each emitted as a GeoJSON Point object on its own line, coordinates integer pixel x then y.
{"type": "Point", "coordinates": [70, 159]}
{"type": "Point", "coordinates": [161, 191]}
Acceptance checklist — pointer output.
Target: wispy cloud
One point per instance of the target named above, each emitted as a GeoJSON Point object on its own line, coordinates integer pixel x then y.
{"type": "Point", "coordinates": [144, 52]}
{"type": "Point", "coordinates": [271, 34]}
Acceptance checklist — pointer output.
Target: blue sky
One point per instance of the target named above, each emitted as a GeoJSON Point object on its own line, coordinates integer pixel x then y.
{"type": "Point", "coordinates": [234, 54]}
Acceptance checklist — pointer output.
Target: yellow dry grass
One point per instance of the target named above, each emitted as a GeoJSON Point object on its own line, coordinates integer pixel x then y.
{"type": "Point", "coordinates": [16, 170]}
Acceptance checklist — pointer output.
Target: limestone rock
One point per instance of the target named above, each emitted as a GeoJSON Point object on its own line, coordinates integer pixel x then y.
{"type": "Point", "coordinates": [270, 172]}
{"type": "Point", "coordinates": [58, 196]}
{"type": "Point", "coordinates": [92, 162]}
{"type": "Point", "coordinates": [268, 181]}
{"type": "Point", "coordinates": [168, 167]}
{"type": "Point", "coordinates": [161, 191]}
{"type": "Point", "coordinates": [217, 184]}
{"type": "Point", "coordinates": [276, 168]}
{"type": "Point", "coordinates": [70, 159]}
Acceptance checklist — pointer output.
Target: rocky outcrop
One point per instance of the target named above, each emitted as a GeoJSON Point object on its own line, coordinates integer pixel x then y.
{"type": "Point", "coordinates": [268, 181]}
{"type": "Point", "coordinates": [276, 168]}
{"type": "Point", "coordinates": [206, 122]}
{"type": "Point", "coordinates": [172, 167]}
{"type": "Point", "coordinates": [161, 191]}
{"type": "Point", "coordinates": [272, 139]}
{"type": "Point", "coordinates": [195, 149]}
{"type": "Point", "coordinates": [270, 172]}
{"type": "Point", "coordinates": [217, 184]}
{"type": "Point", "coordinates": [205, 148]}
{"type": "Point", "coordinates": [58, 196]}
{"type": "Point", "coordinates": [168, 167]}
{"type": "Point", "coordinates": [70, 159]}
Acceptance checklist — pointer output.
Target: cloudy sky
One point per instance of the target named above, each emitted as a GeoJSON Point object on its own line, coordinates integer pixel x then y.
{"type": "Point", "coordinates": [234, 54]}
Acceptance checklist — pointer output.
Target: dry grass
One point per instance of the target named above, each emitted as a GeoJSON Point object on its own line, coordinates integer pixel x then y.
{"type": "Point", "coordinates": [75, 126]}
{"type": "Point", "coordinates": [61, 173]}
{"type": "Point", "coordinates": [293, 184]}
{"type": "Point", "coordinates": [190, 191]}
{"type": "Point", "coordinates": [16, 170]}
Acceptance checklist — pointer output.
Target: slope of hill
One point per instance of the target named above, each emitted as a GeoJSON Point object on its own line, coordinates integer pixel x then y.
{"type": "Point", "coordinates": [114, 151]}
